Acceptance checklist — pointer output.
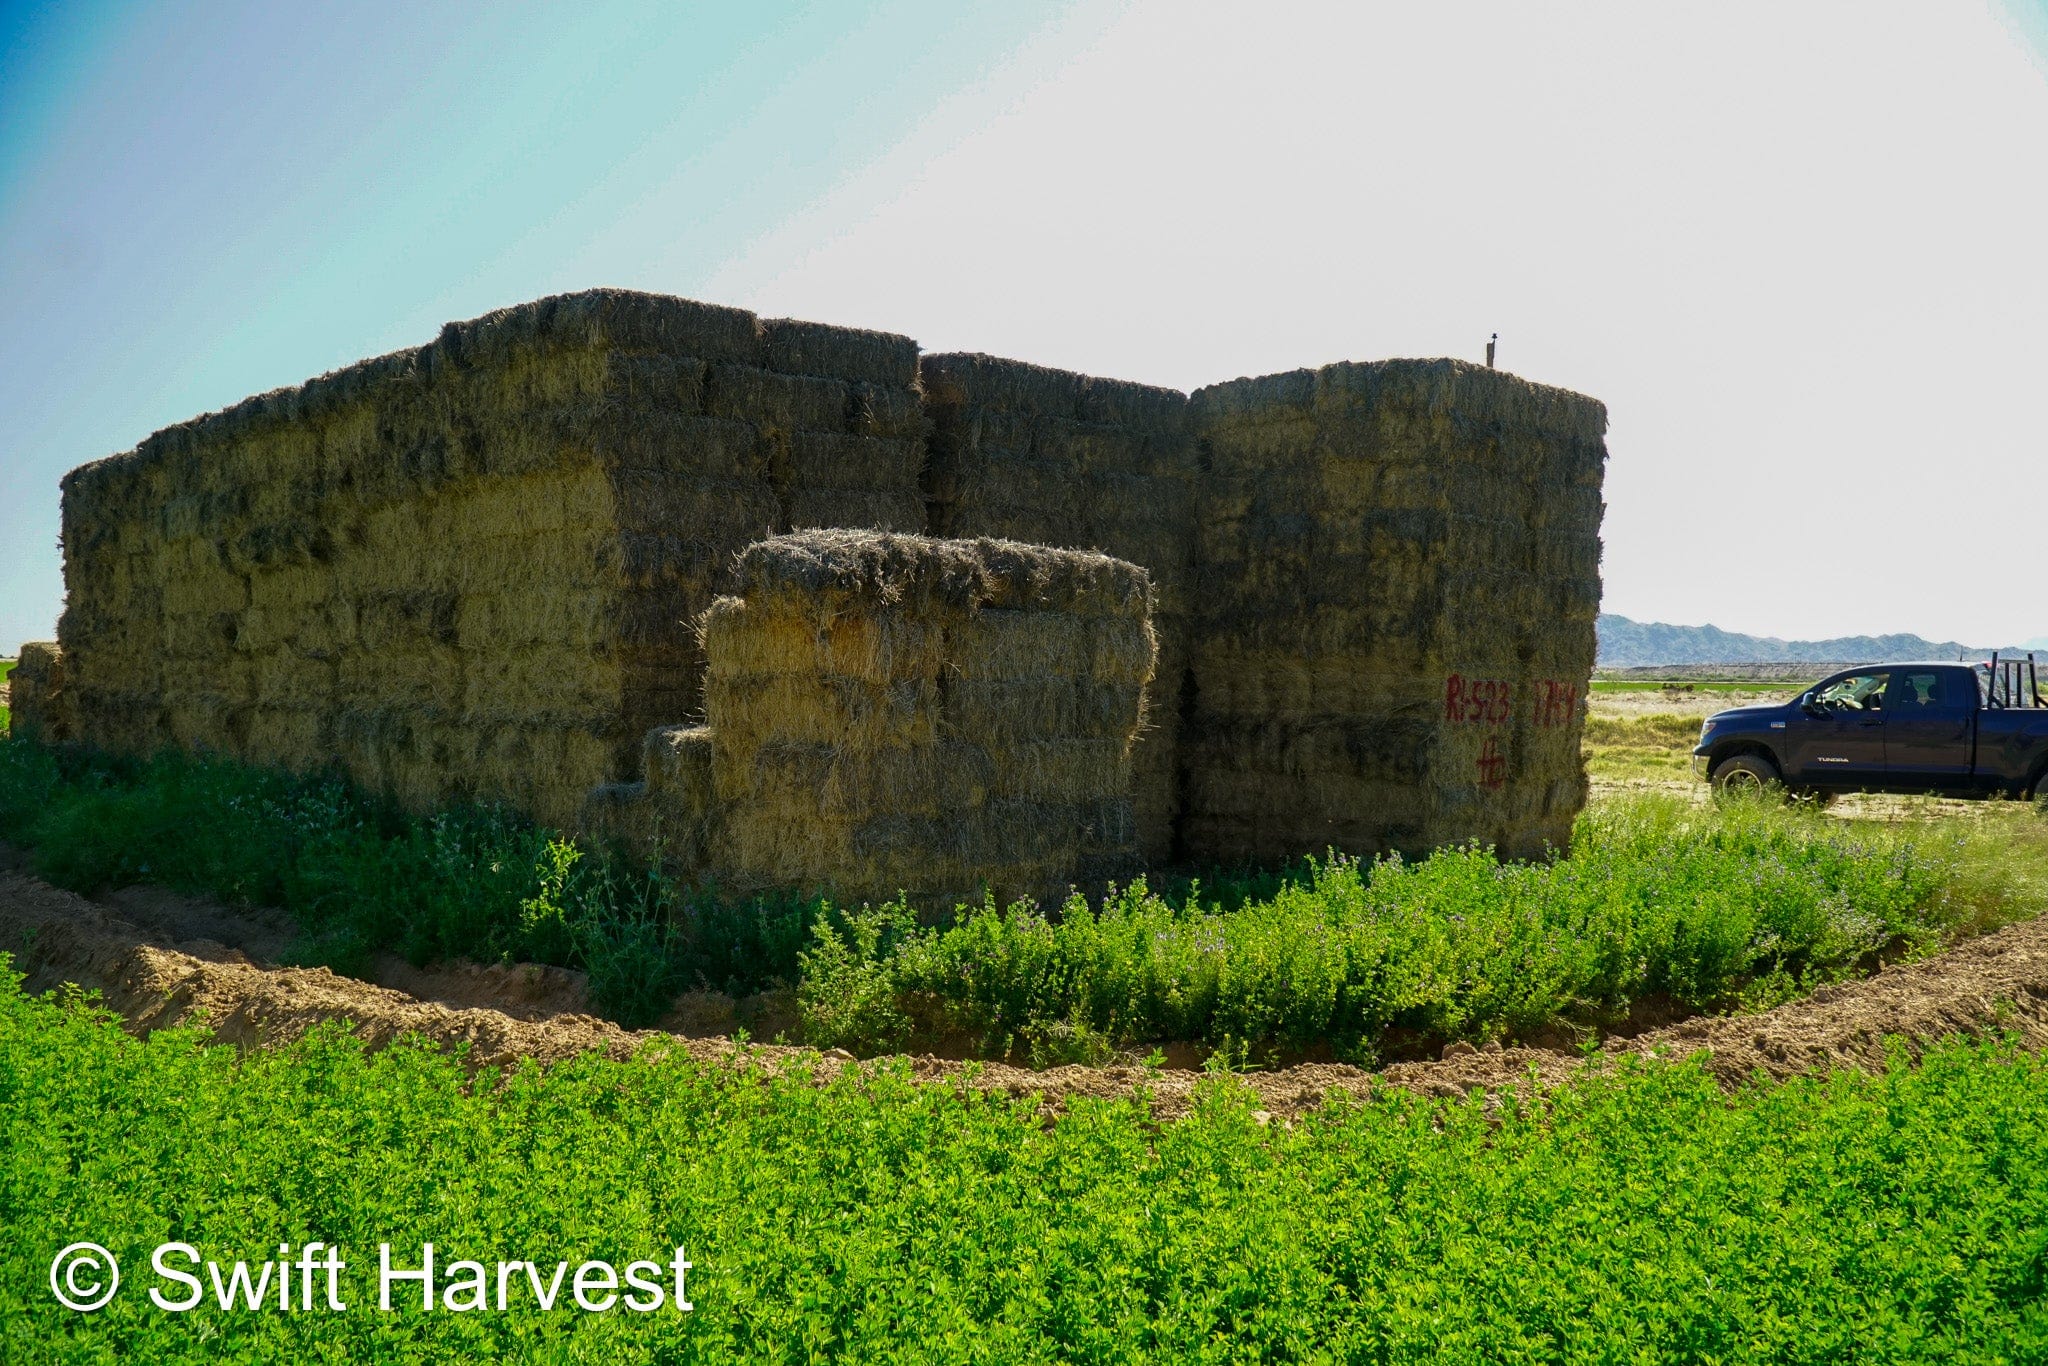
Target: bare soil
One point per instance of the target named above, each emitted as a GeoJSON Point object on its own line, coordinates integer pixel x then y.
{"type": "Point", "coordinates": [161, 960]}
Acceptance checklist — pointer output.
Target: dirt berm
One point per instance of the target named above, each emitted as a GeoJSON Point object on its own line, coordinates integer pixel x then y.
{"type": "Point", "coordinates": [1998, 983]}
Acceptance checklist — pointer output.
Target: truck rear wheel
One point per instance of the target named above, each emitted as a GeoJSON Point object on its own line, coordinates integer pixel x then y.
{"type": "Point", "coordinates": [1746, 773]}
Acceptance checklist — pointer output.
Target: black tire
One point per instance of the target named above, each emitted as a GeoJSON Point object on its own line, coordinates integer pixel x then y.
{"type": "Point", "coordinates": [1746, 773]}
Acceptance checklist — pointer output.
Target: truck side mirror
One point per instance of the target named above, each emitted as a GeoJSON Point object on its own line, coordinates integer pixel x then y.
{"type": "Point", "coordinates": [1811, 707]}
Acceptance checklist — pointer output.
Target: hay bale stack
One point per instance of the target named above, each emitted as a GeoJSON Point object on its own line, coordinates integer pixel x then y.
{"type": "Point", "coordinates": [38, 703]}
{"type": "Point", "coordinates": [1398, 574]}
{"type": "Point", "coordinates": [472, 569]}
{"type": "Point", "coordinates": [898, 714]}
{"type": "Point", "coordinates": [1055, 458]}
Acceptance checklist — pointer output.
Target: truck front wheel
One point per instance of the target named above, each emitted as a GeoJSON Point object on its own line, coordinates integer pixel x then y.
{"type": "Point", "coordinates": [1746, 773]}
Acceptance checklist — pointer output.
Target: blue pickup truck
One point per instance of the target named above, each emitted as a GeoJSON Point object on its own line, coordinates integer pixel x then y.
{"type": "Point", "coordinates": [1963, 730]}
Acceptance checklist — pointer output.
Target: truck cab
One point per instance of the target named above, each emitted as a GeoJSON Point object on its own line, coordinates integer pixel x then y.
{"type": "Point", "coordinates": [1967, 730]}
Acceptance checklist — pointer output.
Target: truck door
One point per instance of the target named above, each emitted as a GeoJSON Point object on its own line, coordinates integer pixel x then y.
{"type": "Point", "coordinates": [1928, 727]}
{"type": "Point", "coordinates": [1838, 739]}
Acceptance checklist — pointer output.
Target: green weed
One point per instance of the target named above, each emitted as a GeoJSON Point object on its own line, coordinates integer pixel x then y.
{"type": "Point", "coordinates": [1705, 907]}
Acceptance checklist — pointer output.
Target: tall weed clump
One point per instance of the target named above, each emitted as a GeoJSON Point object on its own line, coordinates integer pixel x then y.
{"type": "Point", "coordinates": [1661, 901]}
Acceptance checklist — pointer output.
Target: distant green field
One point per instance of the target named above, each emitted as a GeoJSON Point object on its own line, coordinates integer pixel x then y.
{"type": "Point", "coordinates": [1682, 684]}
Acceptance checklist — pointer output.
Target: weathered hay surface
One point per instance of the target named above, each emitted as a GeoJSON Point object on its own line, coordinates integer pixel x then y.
{"type": "Point", "coordinates": [38, 702]}
{"type": "Point", "coordinates": [1397, 575]}
{"type": "Point", "coordinates": [1048, 456]}
{"type": "Point", "coordinates": [472, 569]}
{"type": "Point", "coordinates": [893, 714]}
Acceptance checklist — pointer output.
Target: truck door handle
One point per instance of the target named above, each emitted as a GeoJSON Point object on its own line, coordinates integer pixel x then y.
{"type": "Point", "coordinates": [1867, 724]}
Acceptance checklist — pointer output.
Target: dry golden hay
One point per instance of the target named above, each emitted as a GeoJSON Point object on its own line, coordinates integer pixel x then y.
{"type": "Point", "coordinates": [1397, 573]}
{"type": "Point", "coordinates": [509, 532]}
{"type": "Point", "coordinates": [1063, 459]}
{"type": "Point", "coordinates": [894, 714]}
{"type": "Point", "coordinates": [480, 567]}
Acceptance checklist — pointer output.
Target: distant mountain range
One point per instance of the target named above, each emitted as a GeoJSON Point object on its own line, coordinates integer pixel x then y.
{"type": "Point", "coordinates": [1633, 644]}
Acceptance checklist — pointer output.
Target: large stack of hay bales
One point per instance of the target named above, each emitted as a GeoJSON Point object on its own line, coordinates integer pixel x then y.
{"type": "Point", "coordinates": [478, 569]}
{"type": "Point", "coordinates": [38, 703]}
{"type": "Point", "coordinates": [471, 569]}
{"type": "Point", "coordinates": [1398, 574]}
{"type": "Point", "coordinates": [898, 714]}
{"type": "Point", "coordinates": [1048, 456]}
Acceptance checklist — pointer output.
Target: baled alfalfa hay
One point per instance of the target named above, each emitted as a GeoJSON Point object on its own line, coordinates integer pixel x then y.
{"type": "Point", "coordinates": [38, 702]}
{"type": "Point", "coordinates": [1397, 573]}
{"type": "Point", "coordinates": [668, 814]}
{"type": "Point", "coordinates": [894, 714]}
{"type": "Point", "coordinates": [473, 569]}
{"type": "Point", "coordinates": [1049, 456]}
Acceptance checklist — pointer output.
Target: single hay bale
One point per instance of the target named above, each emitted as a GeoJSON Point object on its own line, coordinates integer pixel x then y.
{"type": "Point", "coordinates": [791, 403]}
{"type": "Point", "coordinates": [668, 813]}
{"type": "Point", "coordinates": [801, 348]}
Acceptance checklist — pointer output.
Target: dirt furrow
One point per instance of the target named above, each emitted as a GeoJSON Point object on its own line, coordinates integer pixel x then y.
{"type": "Point", "coordinates": [1997, 983]}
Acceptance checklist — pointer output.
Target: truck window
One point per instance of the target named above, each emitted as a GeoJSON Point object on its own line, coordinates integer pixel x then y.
{"type": "Point", "coordinates": [1858, 692]}
{"type": "Point", "coordinates": [1916, 690]}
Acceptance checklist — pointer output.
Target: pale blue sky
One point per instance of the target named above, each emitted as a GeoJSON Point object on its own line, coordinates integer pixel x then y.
{"type": "Point", "coordinates": [203, 201]}
{"type": "Point", "coordinates": [1795, 248]}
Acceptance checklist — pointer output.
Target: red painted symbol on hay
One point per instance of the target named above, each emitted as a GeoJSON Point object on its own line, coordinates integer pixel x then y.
{"type": "Point", "coordinates": [1558, 704]}
{"type": "Point", "coordinates": [1477, 701]}
{"type": "Point", "coordinates": [1493, 766]}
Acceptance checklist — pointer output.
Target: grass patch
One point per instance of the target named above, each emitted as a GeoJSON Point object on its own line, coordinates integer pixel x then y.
{"type": "Point", "coordinates": [1651, 747]}
{"type": "Point", "coordinates": [1639, 1216]}
{"type": "Point", "coordinates": [1635, 685]}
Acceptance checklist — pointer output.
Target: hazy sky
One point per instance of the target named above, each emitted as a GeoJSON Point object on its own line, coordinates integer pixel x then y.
{"type": "Point", "coordinates": [1795, 247]}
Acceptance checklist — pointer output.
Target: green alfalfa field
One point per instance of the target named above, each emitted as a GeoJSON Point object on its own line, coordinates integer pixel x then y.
{"type": "Point", "coordinates": [1638, 1212]}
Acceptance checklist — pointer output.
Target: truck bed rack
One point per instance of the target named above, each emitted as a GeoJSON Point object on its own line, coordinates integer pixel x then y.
{"type": "Point", "coordinates": [2011, 682]}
